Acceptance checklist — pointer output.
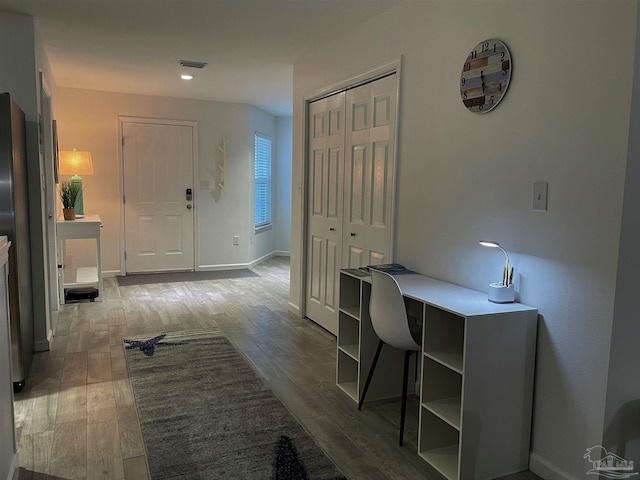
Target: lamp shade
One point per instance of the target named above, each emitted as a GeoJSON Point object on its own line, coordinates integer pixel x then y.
{"type": "Point", "coordinates": [73, 162]}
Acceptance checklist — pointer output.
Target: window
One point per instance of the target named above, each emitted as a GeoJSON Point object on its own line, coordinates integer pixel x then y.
{"type": "Point", "coordinates": [262, 182]}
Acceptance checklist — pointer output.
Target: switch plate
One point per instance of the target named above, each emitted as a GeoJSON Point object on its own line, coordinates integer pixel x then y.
{"type": "Point", "coordinates": [540, 190]}
{"type": "Point", "coordinates": [205, 185]}
{"type": "Point", "coordinates": [236, 240]}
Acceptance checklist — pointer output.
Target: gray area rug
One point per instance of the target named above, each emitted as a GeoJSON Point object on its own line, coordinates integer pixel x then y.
{"type": "Point", "coordinates": [205, 414]}
{"type": "Point", "coordinates": [174, 277]}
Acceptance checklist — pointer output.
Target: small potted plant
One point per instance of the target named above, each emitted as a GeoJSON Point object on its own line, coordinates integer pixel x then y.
{"type": "Point", "coordinates": [69, 193]}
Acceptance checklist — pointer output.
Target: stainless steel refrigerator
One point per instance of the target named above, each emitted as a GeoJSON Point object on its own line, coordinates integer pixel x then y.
{"type": "Point", "coordinates": [14, 223]}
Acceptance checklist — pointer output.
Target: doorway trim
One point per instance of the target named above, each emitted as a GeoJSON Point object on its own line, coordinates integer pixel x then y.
{"type": "Point", "coordinates": [390, 67]}
{"type": "Point", "coordinates": [122, 119]}
{"type": "Point", "coordinates": [47, 156]}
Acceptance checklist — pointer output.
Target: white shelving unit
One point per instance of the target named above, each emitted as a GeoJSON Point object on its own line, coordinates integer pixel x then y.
{"type": "Point", "coordinates": [476, 375]}
{"type": "Point", "coordinates": [87, 227]}
{"type": "Point", "coordinates": [357, 343]}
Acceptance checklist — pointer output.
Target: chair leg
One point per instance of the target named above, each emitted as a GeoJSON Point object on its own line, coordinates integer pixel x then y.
{"type": "Point", "coordinates": [405, 380]}
{"type": "Point", "coordinates": [370, 376]}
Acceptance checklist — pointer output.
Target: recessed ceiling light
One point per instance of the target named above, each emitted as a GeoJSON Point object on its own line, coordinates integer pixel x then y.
{"type": "Point", "coordinates": [186, 77]}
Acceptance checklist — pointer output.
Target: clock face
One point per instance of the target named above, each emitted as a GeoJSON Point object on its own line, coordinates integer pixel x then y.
{"type": "Point", "coordinates": [485, 76]}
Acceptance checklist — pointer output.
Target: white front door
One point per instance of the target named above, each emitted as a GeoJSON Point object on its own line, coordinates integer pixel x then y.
{"type": "Point", "coordinates": [158, 169]}
{"type": "Point", "coordinates": [369, 183]}
{"type": "Point", "coordinates": [324, 239]}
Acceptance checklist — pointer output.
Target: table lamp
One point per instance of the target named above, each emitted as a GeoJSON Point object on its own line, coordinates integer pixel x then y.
{"type": "Point", "coordinates": [503, 291]}
{"type": "Point", "coordinates": [73, 162]}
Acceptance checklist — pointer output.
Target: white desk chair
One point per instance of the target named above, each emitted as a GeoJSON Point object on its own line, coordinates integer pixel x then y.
{"type": "Point", "coordinates": [389, 319]}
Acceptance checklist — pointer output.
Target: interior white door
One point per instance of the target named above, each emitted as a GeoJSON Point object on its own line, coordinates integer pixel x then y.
{"type": "Point", "coordinates": [325, 204]}
{"type": "Point", "coordinates": [158, 169]}
{"type": "Point", "coordinates": [369, 179]}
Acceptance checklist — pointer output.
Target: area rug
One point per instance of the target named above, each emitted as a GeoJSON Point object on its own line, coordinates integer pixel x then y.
{"type": "Point", "coordinates": [174, 277]}
{"type": "Point", "coordinates": [205, 414]}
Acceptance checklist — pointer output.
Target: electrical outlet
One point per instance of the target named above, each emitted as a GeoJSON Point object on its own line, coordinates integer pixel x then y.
{"type": "Point", "coordinates": [236, 240]}
{"type": "Point", "coordinates": [205, 185]}
{"type": "Point", "coordinates": [540, 190]}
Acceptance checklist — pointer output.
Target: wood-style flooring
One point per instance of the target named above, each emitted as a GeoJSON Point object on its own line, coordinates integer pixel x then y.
{"type": "Point", "coordinates": [76, 419]}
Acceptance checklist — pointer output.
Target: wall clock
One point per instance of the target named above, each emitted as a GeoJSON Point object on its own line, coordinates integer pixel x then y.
{"type": "Point", "coordinates": [485, 76]}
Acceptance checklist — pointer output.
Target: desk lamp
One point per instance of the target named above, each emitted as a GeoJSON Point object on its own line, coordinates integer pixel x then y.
{"type": "Point", "coordinates": [73, 162]}
{"type": "Point", "coordinates": [501, 292]}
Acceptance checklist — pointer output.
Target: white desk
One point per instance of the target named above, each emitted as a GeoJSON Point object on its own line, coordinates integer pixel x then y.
{"type": "Point", "coordinates": [476, 372]}
{"type": "Point", "coordinates": [88, 227]}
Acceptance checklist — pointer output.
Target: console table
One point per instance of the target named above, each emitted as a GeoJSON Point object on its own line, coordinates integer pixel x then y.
{"type": "Point", "coordinates": [87, 227]}
{"type": "Point", "coordinates": [476, 371]}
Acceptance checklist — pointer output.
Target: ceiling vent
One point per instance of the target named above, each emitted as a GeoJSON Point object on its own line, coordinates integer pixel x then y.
{"type": "Point", "coordinates": [192, 64]}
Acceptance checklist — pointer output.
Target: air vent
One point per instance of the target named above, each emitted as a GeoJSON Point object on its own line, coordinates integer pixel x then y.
{"type": "Point", "coordinates": [192, 64]}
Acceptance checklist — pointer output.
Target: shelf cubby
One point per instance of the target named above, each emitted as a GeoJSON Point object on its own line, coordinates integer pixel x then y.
{"type": "Point", "coordinates": [438, 444]}
{"type": "Point", "coordinates": [350, 295]}
{"type": "Point", "coordinates": [349, 335]}
{"type": "Point", "coordinates": [347, 374]}
{"type": "Point", "coordinates": [442, 391]}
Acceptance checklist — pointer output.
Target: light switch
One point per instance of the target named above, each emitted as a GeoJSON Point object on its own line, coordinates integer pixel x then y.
{"type": "Point", "coordinates": [205, 185]}
{"type": "Point", "coordinates": [540, 190]}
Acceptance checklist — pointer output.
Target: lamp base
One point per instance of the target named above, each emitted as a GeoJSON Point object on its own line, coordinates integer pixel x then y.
{"type": "Point", "coordinates": [79, 203]}
{"type": "Point", "coordinates": [499, 293]}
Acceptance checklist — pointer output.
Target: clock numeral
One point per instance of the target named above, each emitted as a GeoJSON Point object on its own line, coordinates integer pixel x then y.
{"type": "Point", "coordinates": [491, 101]}
{"type": "Point", "coordinates": [494, 48]}
{"type": "Point", "coordinates": [481, 107]}
{"type": "Point", "coordinates": [485, 46]}
{"type": "Point", "coordinates": [467, 67]}
{"type": "Point", "coordinates": [465, 95]}
{"type": "Point", "coordinates": [502, 56]}
{"type": "Point", "coordinates": [500, 87]}
{"type": "Point", "coordinates": [504, 73]}
{"type": "Point", "coordinates": [474, 55]}
{"type": "Point", "coordinates": [463, 81]}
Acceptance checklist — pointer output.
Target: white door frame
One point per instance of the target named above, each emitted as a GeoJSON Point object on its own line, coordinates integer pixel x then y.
{"type": "Point", "coordinates": [122, 119]}
{"type": "Point", "coordinates": [50, 197]}
{"type": "Point", "coordinates": [392, 66]}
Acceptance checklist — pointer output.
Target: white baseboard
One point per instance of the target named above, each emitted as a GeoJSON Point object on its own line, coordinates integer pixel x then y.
{"type": "Point", "coordinates": [111, 273]}
{"type": "Point", "coordinates": [282, 253]}
{"type": "Point", "coordinates": [294, 309]}
{"type": "Point", "coordinates": [547, 470]}
{"type": "Point", "coordinates": [226, 266]}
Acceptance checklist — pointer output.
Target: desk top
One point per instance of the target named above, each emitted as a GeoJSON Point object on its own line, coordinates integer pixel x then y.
{"type": "Point", "coordinates": [447, 296]}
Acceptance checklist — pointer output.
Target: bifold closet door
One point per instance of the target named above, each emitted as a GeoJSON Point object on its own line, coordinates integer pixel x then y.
{"type": "Point", "coordinates": [370, 165]}
{"type": "Point", "coordinates": [326, 124]}
{"type": "Point", "coordinates": [351, 185]}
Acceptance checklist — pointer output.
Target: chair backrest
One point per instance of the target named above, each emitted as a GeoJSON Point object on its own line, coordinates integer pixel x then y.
{"type": "Point", "coordinates": [388, 313]}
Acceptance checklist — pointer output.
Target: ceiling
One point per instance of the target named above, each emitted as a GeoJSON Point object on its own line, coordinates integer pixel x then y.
{"type": "Point", "coordinates": [135, 46]}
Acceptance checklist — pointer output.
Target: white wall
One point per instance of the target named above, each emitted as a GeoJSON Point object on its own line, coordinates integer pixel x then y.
{"type": "Point", "coordinates": [284, 128]}
{"type": "Point", "coordinates": [622, 414]}
{"type": "Point", "coordinates": [463, 177]}
{"type": "Point", "coordinates": [88, 120]}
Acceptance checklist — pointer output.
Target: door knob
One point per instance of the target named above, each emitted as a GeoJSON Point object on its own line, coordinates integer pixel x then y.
{"type": "Point", "coordinates": [189, 206]}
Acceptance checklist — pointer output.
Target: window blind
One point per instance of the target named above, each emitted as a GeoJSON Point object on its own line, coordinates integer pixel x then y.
{"type": "Point", "coordinates": [262, 181]}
